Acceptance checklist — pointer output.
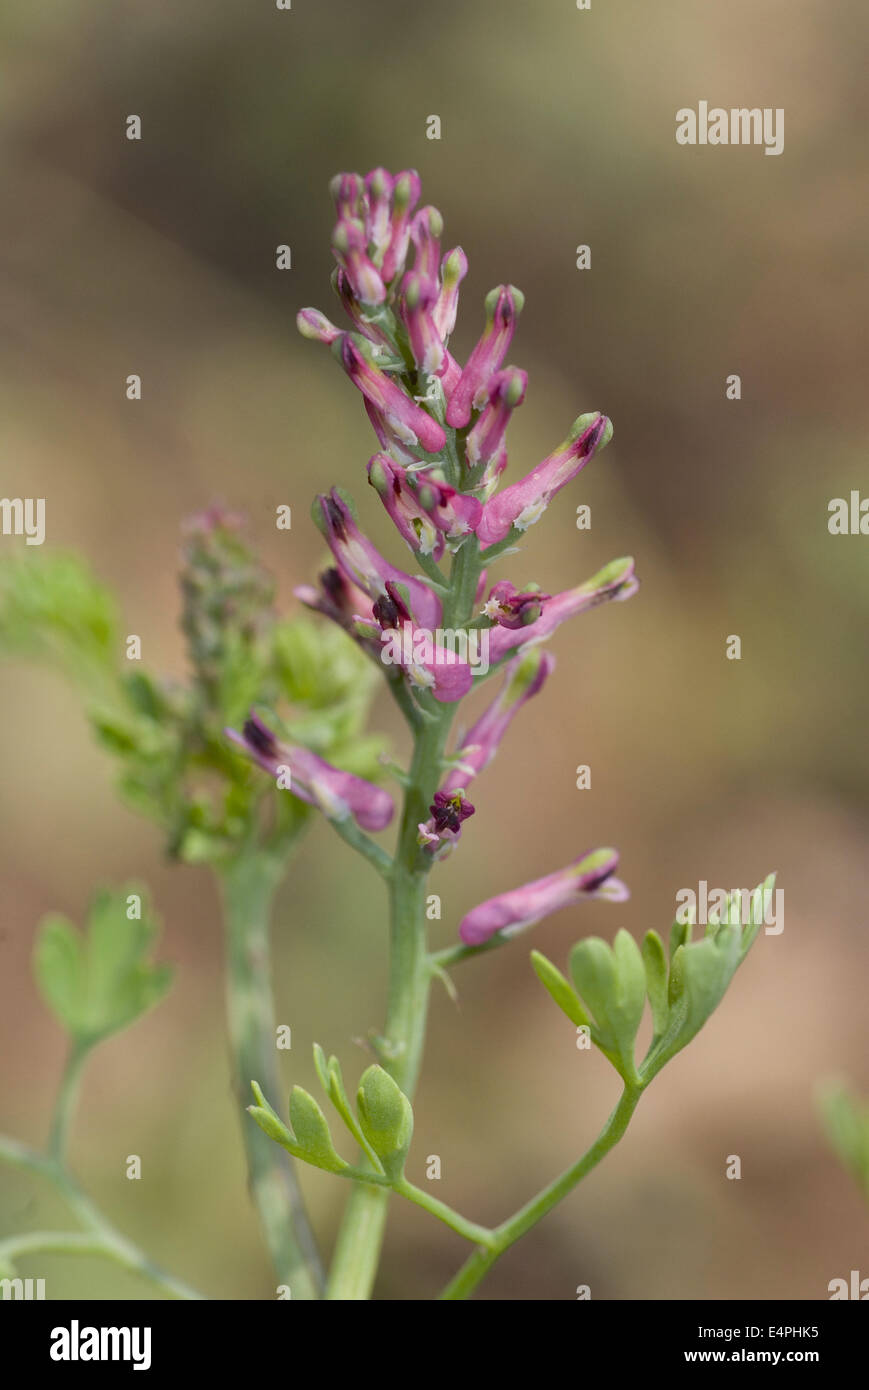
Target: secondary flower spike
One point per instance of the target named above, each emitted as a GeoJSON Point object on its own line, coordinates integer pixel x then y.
{"type": "Point", "coordinates": [589, 876]}
{"type": "Point", "coordinates": [337, 794]}
{"type": "Point", "coordinates": [523, 503]}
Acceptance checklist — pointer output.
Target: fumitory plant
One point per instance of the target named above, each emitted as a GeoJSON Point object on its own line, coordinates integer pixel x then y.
{"type": "Point", "coordinates": [289, 697]}
{"type": "Point", "coordinates": [434, 629]}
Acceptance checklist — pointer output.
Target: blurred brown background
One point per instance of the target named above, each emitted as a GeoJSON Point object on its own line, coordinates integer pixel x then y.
{"type": "Point", "coordinates": [157, 258]}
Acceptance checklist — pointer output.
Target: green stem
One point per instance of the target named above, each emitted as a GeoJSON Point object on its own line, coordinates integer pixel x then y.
{"type": "Point", "coordinates": [505, 1235]}
{"type": "Point", "coordinates": [480, 1235]}
{"type": "Point", "coordinates": [357, 1250]}
{"type": "Point", "coordinates": [64, 1105]}
{"type": "Point", "coordinates": [249, 883]}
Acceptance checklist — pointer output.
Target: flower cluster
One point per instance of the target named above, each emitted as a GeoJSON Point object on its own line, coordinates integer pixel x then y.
{"type": "Point", "coordinates": [441, 430]}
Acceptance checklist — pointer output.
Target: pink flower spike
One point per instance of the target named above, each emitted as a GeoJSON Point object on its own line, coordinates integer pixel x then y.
{"type": "Point", "coordinates": [337, 794]}
{"type": "Point", "coordinates": [589, 876]}
{"type": "Point", "coordinates": [454, 268]}
{"type": "Point", "coordinates": [523, 678]}
{"type": "Point", "coordinates": [312, 324]}
{"type": "Point", "coordinates": [361, 563]}
{"type": "Point", "coordinates": [405, 196]}
{"type": "Point", "coordinates": [523, 503]}
{"type": "Point", "coordinates": [425, 233]}
{"type": "Point", "coordinates": [615, 582]}
{"type": "Point", "coordinates": [350, 247]}
{"type": "Point", "coordinates": [409, 421]}
{"type": "Point", "coordinates": [503, 307]}
{"type": "Point", "coordinates": [378, 188]}
{"type": "Point", "coordinates": [418, 297]}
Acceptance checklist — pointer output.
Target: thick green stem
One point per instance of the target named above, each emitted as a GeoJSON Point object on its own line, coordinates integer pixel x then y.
{"type": "Point", "coordinates": [357, 1251]}
{"type": "Point", "coordinates": [249, 884]}
{"type": "Point", "coordinates": [478, 1265]}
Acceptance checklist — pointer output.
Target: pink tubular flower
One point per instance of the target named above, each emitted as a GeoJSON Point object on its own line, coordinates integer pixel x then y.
{"type": "Point", "coordinates": [454, 268]}
{"type": "Point", "coordinates": [589, 876]}
{"type": "Point", "coordinates": [337, 794]}
{"type": "Point", "coordinates": [425, 510]}
{"type": "Point", "coordinates": [523, 503]}
{"type": "Point", "coordinates": [388, 437]}
{"type": "Point", "coordinates": [486, 448]}
{"type": "Point", "coordinates": [337, 598]}
{"type": "Point", "coordinates": [418, 298]}
{"type": "Point", "coordinates": [347, 191]}
{"type": "Point", "coordinates": [378, 191]}
{"type": "Point", "coordinates": [390, 482]}
{"type": "Point", "coordinates": [312, 324]}
{"type": "Point", "coordinates": [523, 678]}
{"type": "Point", "coordinates": [349, 245]}
{"type": "Point", "coordinates": [354, 311]}
{"type": "Point", "coordinates": [503, 307]}
{"type": "Point", "coordinates": [405, 196]}
{"type": "Point", "coordinates": [361, 563]}
{"type": "Point", "coordinates": [409, 421]}
{"type": "Point", "coordinates": [513, 609]}
{"type": "Point", "coordinates": [616, 582]}
{"type": "Point", "coordinates": [425, 232]}
{"type": "Point", "coordinates": [428, 664]}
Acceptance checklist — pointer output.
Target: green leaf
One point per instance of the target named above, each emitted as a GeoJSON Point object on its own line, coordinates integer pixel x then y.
{"type": "Point", "coordinates": [100, 981]}
{"type": "Point", "coordinates": [612, 984]}
{"type": "Point", "coordinates": [386, 1117]}
{"type": "Point", "coordinates": [655, 962]}
{"type": "Point", "coordinates": [311, 1131]}
{"type": "Point", "coordinates": [846, 1120]}
{"type": "Point", "coordinates": [557, 986]}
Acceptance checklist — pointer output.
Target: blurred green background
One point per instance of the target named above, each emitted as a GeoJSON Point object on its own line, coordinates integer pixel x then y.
{"type": "Point", "coordinates": [158, 258]}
